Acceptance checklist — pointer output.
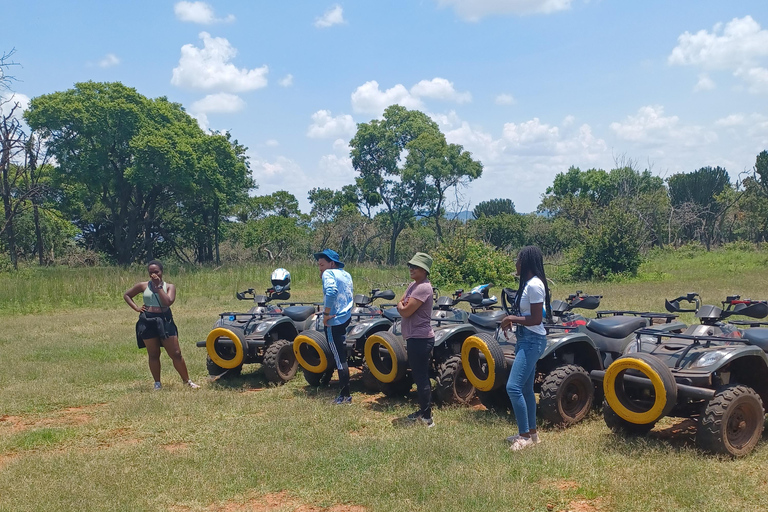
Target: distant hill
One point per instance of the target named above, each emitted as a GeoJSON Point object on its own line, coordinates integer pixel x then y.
{"type": "Point", "coordinates": [462, 216]}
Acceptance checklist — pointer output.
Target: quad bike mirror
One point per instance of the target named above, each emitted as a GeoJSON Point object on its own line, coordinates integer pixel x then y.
{"type": "Point", "coordinates": [586, 302]}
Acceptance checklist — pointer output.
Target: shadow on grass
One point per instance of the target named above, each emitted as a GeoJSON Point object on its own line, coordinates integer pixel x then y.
{"type": "Point", "coordinates": [252, 381]}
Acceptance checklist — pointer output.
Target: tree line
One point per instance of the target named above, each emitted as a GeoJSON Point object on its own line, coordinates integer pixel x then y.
{"type": "Point", "coordinates": [101, 172]}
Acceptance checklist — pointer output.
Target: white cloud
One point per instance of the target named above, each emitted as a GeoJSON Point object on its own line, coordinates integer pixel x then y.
{"type": "Point", "coordinates": [369, 99]}
{"type": "Point", "coordinates": [272, 143]}
{"type": "Point", "coordinates": [210, 68]}
{"type": "Point", "coordinates": [324, 125]}
{"type": "Point", "coordinates": [286, 81]}
{"type": "Point", "coordinates": [109, 60]}
{"type": "Point", "coordinates": [440, 89]}
{"type": "Point", "coordinates": [704, 84]}
{"type": "Point", "coordinates": [219, 103]}
{"type": "Point", "coordinates": [333, 16]}
{"type": "Point", "coordinates": [505, 99]}
{"type": "Point", "coordinates": [739, 46]}
{"type": "Point", "coordinates": [473, 10]}
{"type": "Point", "coordinates": [731, 120]}
{"type": "Point", "coordinates": [198, 12]}
{"type": "Point", "coordinates": [14, 102]}
{"type": "Point", "coordinates": [202, 120]}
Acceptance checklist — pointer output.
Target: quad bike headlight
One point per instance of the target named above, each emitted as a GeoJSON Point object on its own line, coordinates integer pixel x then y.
{"type": "Point", "coordinates": [439, 335]}
{"type": "Point", "coordinates": [631, 348]}
{"type": "Point", "coordinates": [357, 330]}
{"type": "Point", "coordinates": [709, 358]}
{"type": "Point", "coordinates": [262, 327]}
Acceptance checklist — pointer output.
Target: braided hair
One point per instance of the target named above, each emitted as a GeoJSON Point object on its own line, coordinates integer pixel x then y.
{"type": "Point", "coordinates": [532, 264]}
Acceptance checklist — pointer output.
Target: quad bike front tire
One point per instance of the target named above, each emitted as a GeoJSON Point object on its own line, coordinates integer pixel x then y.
{"type": "Point", "coordinates": [566, 395]}
{"type": "Point", "coordinates": [313, 352]}
{"type": "Point", "coordinates": [496, 401]}
{"type": "Point", "coordinates": [218, 372]}
{"type": "Point", "coordinates": [732, 422]}
{"type": "Point", "coordinates": [388, 368]}
{"type": "Point", "coordinates": [637, 405]}
{"type": "Point", "coordinates": [317, 379]}
{"type": "Point", "coordinates": [491, 374]}
{"type": "Point", "coordinates": [453, 386]}
{"type": "Point", "coordinates": [280, 362]}
{"type": "Point", "coordinates": [621, 426]}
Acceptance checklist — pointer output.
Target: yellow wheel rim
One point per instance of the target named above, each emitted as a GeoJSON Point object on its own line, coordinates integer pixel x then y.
{"type": "Point", "coordinates": [475, 343]}
{"type": "Point", "coordinates": [320, 367]}
{"type": "Point", "coordinates": [210, 342]}
{"type": "Point", "coordinates": [371, 342]}
{"type": "Point", "coordinates": [609, 386]}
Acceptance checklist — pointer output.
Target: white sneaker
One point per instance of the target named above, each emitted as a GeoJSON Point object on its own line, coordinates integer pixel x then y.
{"type": "Point", "coordinates": [521, 442]}
{"type": "Point", "coordinates": [192, 384]}
{"type": "Point", "coordinates": [534, 438]}
{"type": "Point", "coordinates": [158, 386]}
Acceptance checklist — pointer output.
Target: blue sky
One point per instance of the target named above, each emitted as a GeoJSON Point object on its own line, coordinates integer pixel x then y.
{"type": "Point", "coordinates": [530, 87]}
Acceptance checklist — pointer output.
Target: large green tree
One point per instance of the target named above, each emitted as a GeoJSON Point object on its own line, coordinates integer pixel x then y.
{"type": "Point", "coordinates": [695, 195]}
{"type": "Point", "coordinates": [133, 170]}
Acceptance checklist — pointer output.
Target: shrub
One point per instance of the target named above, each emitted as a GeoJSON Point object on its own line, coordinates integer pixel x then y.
{"type": "Point", "coordinates": [464, 260]}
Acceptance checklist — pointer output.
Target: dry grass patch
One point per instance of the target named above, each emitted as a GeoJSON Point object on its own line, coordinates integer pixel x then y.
{"type": "Point", "coordinates": [274, 502]}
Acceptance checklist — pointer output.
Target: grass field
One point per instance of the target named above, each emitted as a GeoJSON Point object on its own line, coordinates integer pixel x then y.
{"type": "Point", "coordinates": [80, 428]}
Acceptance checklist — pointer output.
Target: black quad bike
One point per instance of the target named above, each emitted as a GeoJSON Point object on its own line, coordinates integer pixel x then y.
{"type": "Point", "coordinates": [263, 335]}
{"type": "Point", "coordinates": [313, 352]}
{"type": "Point", "coordinates": [714, 372]}
{"type": "Point", "coordinates": [387, 360]}
{"type": "Point", "coordinates": [575, 346]}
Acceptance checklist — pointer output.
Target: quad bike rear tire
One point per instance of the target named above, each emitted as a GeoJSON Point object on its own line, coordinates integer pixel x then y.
{"type": "Point", "coordinates": [218, 372]}
{"type": "Point", "coordinates": [644, 407]}
{"type": "Point", "coordinates": [621, 426]}
{"type": "Point", "coordinates": [491, 374]}
{"type": "Point", "coordinates": [732, 422]}
{"type": "Point", "coordinates": [317, 379]}
{"type": "Point", "coordinates": [391, 367]}
{"type": "Point", "coordinates": [313, 352]}
{"type": "Point", "coordinates": [370, 382]}
{"type": "Point", "coordinates": [453, 386]}
{"type": "Point", "coordinates": [280, 362]}
{"type": "Point", "coordinates": [566, 395]}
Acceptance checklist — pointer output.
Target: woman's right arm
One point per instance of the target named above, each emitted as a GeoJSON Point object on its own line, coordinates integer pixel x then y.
{"type": "Point", "coordinates": [131, 293]}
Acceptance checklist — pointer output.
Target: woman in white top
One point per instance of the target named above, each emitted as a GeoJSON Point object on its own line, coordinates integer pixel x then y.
{"type": "Point", "coordinates": [532, 301]}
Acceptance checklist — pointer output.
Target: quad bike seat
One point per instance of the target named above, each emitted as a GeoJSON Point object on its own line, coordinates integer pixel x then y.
{"type": "Point", "coordinates": [391, 314]}
{"type": "Point", "coordinates": [757, 336]}
{"type": "Point", "coordinates": [486, 321]}
{"type": "Point", "coordinates": [299, 313]}
{"type": "Point", "coordinates": [616, 326]}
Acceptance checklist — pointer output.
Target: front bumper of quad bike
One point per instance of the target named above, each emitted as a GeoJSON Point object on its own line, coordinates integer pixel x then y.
{"type": "Point", "coordinates": [695, 386]}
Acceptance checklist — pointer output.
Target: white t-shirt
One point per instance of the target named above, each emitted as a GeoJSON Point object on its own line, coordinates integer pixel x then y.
{"type": "Point", "coordinates": [533, 293]}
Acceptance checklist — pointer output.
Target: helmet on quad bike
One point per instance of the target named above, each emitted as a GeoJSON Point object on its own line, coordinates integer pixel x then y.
{"type": "Point", "coordinates": [281, 279]}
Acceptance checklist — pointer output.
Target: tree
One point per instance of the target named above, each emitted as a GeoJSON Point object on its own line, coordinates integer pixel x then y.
{"type": "Point", "coordinates": [493, 207]}
{"type": "Point", "coordinates": [130, 168]}
{"type": "Point", "coordinates": [697, 193]}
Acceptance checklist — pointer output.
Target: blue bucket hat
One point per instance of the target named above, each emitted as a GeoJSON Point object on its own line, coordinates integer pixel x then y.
{"type": "Point", "coordinates": [330, 255]}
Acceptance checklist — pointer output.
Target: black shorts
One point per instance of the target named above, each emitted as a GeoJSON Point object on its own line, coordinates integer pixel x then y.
{"type": "Point", "coordinates": [150, 329]}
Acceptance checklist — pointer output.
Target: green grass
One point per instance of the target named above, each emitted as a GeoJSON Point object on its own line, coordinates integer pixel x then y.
{"type": "Point", "coordinates": [81, 429]}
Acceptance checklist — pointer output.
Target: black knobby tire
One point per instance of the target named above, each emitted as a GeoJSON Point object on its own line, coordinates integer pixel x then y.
{"type": "Point", "coordinates": [386, 356]}
{"type": "Point", "coordinates": [496, 401]}
{"type": "Point", "coordinates": [280, 362]}
{"type": "Point", "coordinates": [637, 404]}
{"type": "Point", "coordinates": [217, 371]}
{"type": "Point", "coordinates": [621, 426]}
{"type": "Point", "coordinates": [306, 346]}
{"type": "Point", "coordinates": [566, 395]}
{"type": "Point", "coordinates": [453, 386]}
{"type": "Point", "coordinates": [318, 379]}
{"type": "Point", "coordinates": [399, 388]}
{"type": "Point", "coordinates": [732, 422]}
{"type": "Point", "coordinates": [370, 382]}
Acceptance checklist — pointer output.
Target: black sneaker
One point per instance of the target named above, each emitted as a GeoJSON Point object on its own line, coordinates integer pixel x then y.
{"type": "Point", "coordinates": [415, 415]}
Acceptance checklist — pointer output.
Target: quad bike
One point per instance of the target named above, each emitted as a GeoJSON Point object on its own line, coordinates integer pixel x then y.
{"type": "Point", "coordinates": [714, 372]}
{"type": "Point", "coordinates": [313, 352]}
{"type": "Point", "coordinates": [575, 346]}
{"type": "Point", "coordinates": [386, 355]}
{"type": "Point", "coordinates": [263, 335]}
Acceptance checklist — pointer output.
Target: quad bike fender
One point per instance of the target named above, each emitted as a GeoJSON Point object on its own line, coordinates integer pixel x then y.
{"type": "Point", "coordinates": [453, 336]}
{"type": "Point", "coordinates": [571, 348]}
{"type": "Point", "coordinates": [281, 328]}
{"type": "Point", "coordinates": [362, 330]}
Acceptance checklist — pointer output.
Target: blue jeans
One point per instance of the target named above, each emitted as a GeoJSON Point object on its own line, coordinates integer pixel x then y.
{"type": "Point", "coordinates": [529, 348]}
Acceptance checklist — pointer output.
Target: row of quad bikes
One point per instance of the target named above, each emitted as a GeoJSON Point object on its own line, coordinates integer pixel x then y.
{"type": "Point", "coordinates": [639, 366]}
